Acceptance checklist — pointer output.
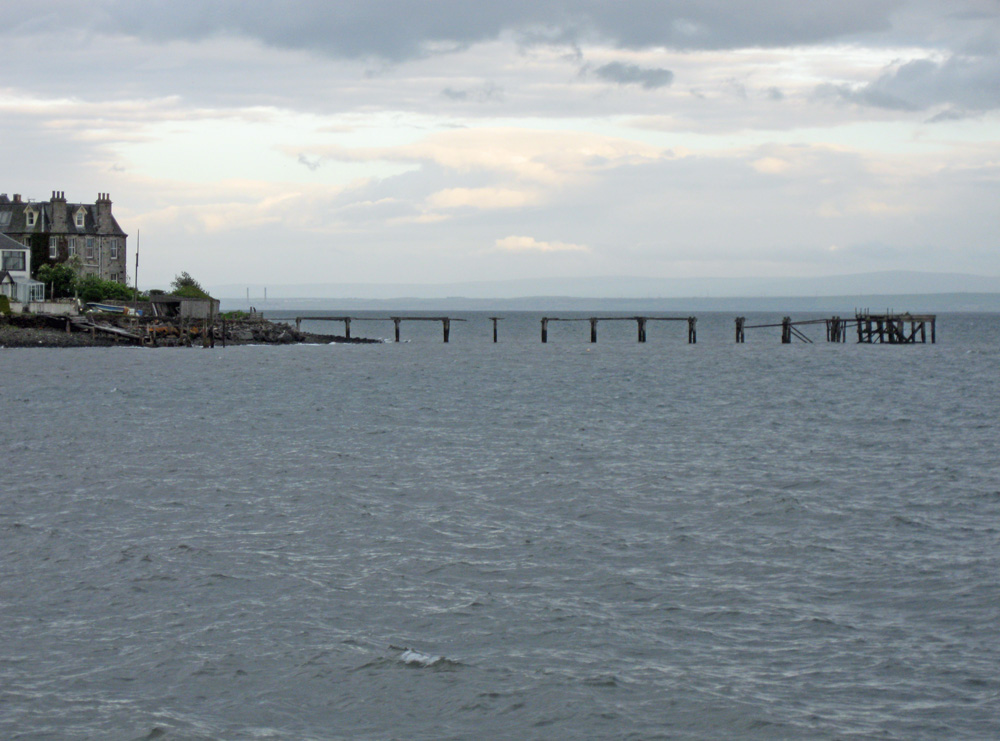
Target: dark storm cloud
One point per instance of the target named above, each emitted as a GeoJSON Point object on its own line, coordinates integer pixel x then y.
{"type": "Point", "coordinates": [401, 29]}
{"type": "Point", "coordinates": [630, 74]}
{"type": "Point", "coordinates": [966, 83]}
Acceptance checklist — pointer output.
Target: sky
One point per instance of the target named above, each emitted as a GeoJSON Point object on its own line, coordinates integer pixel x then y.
{"type": "Point", "coordinates": [443, 141]}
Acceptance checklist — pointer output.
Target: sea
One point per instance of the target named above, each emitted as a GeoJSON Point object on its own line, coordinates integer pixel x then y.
{"type": "Point", "coordinates": [504, 540]}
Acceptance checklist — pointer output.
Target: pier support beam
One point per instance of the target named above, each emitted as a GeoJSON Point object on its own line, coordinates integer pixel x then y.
{"type": "Point", "coordinates": [446, 328]}
{"type": "Point", "coordinates": [347, 327]}
{"type": "Point", "coordinates": [740, 336]}
{"type": "Point", "coordinates": [692, 331]}
{"type": "Point", "coordinates": [494, 320]}
{"type": "Point", "coordinates": [786, 330]}
{"type": "Point", "coordinates": [593, 330]}
{"type": "Point", "coordinates": [545, 329]}
{"type": "Point", "coordinates": [396, 321]}
{"type": "Point", "coordinates": [641, 322]}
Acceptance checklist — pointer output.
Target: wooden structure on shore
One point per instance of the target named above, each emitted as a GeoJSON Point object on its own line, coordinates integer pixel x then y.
{"type": "Point", "coordinates": [639, 320]}
{"type": "Point", "coordinates": [396, 320]}
{"type": "Point", "coordinates": [885, 328]}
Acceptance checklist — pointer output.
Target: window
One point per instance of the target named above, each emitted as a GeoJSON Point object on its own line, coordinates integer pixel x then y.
{"type": "Point", "coordinates": [30, 216]}
{"type": "Point", "coordinates": [80, 217]}
{"type": "Point", "coordinates": [90, 248]}
{"type": "Point", "coordinates": [53, 248]}
{"type": "Point", "coordinates": [114, 249]}
{"type": "Point", "coordinates": [14, 260]}
{"type": "Point", "coordinates": [72, 246]}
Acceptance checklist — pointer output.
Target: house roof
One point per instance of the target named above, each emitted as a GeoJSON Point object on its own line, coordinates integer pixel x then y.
{"type": "Point", "coordinates": [10, 244]}
{"type": "Point", "coordinates": [13, 218]}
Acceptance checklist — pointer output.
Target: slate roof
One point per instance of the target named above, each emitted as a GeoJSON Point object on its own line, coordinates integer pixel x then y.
{"type": "Point", "coordinates": [6, 243]}
{"type": "Point", "coordinates": [13, 218]}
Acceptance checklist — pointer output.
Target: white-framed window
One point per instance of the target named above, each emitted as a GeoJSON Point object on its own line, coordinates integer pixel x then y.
{"type": "Point", "coordinates": [30, 217]}
{"type": "Point", "coordinates": [114, 249]}
{"type": "Point", "coordinates": [13, 260]}
{"type": "Point", "coordinates": [53, 248]}
{"type": "Point", "coordinates": [90, 248]}
{"type": "Point", "coordinates": [81, 217]}
{"type": "Point", "coordinates": [72, 246]}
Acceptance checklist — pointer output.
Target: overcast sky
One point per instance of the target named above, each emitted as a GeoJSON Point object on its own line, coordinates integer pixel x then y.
{"type": "Point", "coordinates": [438, 141]}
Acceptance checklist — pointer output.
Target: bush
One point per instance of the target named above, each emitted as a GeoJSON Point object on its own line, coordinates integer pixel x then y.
{"type": "Point", "coordinates": [92, 288]}
{"type": "Point", "coordinates": [4, 305]}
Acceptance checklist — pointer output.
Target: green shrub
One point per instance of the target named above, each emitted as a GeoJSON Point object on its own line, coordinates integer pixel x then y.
{"type": "Point", "coordinates": [4, 305]}
{"type": "Point", "coordinates": [91, 288]}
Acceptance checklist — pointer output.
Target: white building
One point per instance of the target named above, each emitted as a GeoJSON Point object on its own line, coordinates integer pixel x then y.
{"type": "Point", "coordinates": [15, 273]}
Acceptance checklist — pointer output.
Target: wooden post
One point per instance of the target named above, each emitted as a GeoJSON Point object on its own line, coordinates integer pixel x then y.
{"type": "Point", "coordinates": [446, 328]}
{"type": "Point", "coordinates": [692, 332]}
{"type": "Point", "coordinates": [593, 330]}
{"type": "Point", "coordinates": [298, 324]}
{"type": "Point", "coordinates": [494, 328]}
{"type": "Point", "coordinates": [786, 330]}
{"type": "Point", "coordinates": [396, 321]}
{"type": "Point", "coordinates": [641, 321]}
{"type": "Point", "coordinates": [347, 327]}
{"type": "Point", "coordinates": [740, 337]}
{"type": "Point", "coordinates": [545, 329]}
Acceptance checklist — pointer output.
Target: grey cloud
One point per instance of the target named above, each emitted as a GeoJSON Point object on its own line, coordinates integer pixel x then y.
{"type": "Point", "coordinates": [401, 29]}
{"type": "Point", "coordinates": [969, 83]}
{"type": "Point", "coordinates": [631, 74]}
{"type": "Point", "coordinates": [311, 164]}
{"type": "Point", "coordinates": [481, 94]}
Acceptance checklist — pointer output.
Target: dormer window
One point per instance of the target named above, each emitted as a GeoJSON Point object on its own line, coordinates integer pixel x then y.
{"type": "Point", "coordinates": [30, 216]}
{"type": "Point", "coordinates": [81, 218]}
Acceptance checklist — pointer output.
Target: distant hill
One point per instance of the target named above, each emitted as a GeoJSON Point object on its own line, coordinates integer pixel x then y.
{"type": "Point", "coordinates": [896, 290]}
{"type": "Point", "coordinates": [864, 284]}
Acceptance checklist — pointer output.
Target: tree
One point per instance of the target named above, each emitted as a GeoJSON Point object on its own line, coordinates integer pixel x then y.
{"type": "Point", "coordinates": [61, 277]}
{"type": "Point", "coordinates": [187, 287]}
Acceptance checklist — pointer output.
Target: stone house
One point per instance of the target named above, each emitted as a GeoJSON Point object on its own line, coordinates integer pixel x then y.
{"type": "Point", "coordinates": [58, 231]}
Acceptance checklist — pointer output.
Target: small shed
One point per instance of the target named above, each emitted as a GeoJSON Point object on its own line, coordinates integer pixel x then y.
{"type": "Point", "coordinates": [182, 307]}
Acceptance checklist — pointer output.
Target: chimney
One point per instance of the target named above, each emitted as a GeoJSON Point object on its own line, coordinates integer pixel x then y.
{"type": "Point", "coordinates": [58, 216]}
{"type": "Point", "coordinates": [105, 223]}
{"type": "Point", "coordinates": [17, 198]}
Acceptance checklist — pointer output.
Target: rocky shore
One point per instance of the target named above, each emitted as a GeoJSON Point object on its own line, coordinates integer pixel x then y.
{"type": "Point", "coordinates": [44, 331]}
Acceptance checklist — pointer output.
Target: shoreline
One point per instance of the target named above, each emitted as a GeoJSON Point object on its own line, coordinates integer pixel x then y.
{"type": "Point", "coordinates": [26, 330]}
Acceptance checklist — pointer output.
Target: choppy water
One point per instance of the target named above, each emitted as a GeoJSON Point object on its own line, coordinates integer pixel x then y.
{"type": "Point", "coordinates": [503, 541]}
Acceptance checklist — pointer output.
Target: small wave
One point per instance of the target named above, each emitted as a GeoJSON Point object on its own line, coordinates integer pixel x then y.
{"type": "Point", "coordinates": [418, 659]}
{"type": "Point", "coordinates": [409, 656]}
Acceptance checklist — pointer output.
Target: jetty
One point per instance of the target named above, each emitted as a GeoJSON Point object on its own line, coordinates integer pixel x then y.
{"type": "Point", "coordinates": [396, 320]}
{"type": "Point", "coordinates": [888, 328]}
{"type": "Point", "coordinates": [640, 321]}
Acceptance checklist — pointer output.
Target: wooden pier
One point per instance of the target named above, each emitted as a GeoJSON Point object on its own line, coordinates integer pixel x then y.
{"type": "Point", "coordinates": [396, 320]}
{"type": "Point", "coordinates": [891, 328]}
{"type": "Point", "coordinates": [639, 320]}
{"type": "Point", "coordinates": [886, 328]}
